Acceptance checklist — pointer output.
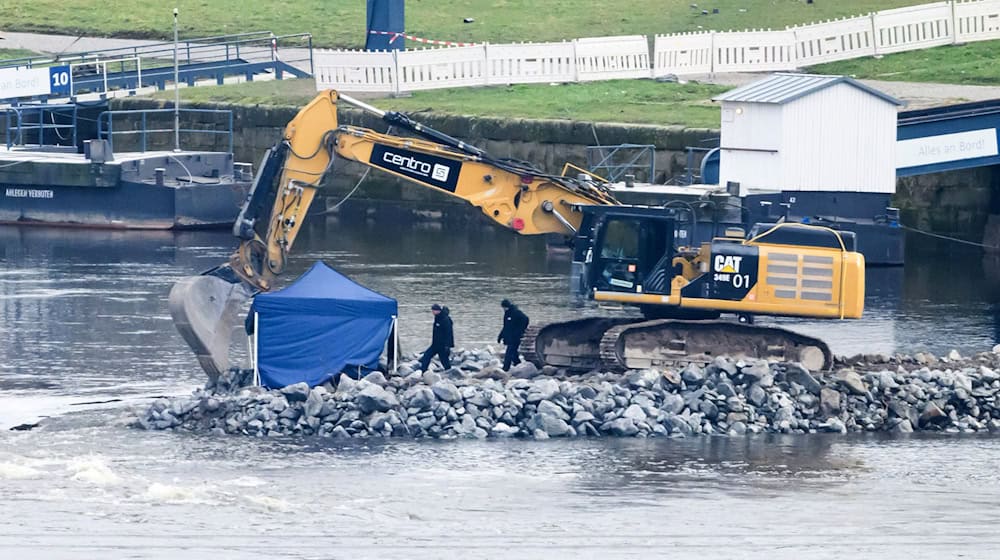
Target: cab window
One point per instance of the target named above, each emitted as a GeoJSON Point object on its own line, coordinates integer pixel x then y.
{"type": "Point", "coordinates": [621, 240]}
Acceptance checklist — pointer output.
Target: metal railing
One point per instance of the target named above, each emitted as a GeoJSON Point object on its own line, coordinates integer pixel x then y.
{"type": "Point", "coordinates": [255, 46]}
{"type": "Point", "coordinates": [18, 125]}
{"type": "Point", "coordinates": [106, 121]}
{"type": "Point", "coordinates": [78, 72]}
{"type": "Point", "coordinates": [614, 162]}
{"type": "Point", "coordinates": [245, 54]}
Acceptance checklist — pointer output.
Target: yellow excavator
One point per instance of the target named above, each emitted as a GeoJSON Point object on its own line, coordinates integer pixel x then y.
{"type": "Point", "coordinates": [621, 253]}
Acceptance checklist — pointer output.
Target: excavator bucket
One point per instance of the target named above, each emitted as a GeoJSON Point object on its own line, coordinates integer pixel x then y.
{"type": "Point", "coordinates": [205, 309]}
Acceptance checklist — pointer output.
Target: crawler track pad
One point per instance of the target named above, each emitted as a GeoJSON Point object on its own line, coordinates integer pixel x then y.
{"type": "Point", "coordinates": [204, 310]}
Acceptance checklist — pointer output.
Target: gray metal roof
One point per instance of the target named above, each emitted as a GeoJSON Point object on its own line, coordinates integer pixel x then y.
{"type": "Point", "coordinates": [785, 88]}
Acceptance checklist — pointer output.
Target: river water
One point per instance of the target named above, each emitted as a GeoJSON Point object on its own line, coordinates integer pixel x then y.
{"type": "Point", "coordinates": [84, 335]}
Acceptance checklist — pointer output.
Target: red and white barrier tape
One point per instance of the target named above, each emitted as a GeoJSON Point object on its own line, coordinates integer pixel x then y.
{"type": "Point", "coordinates": [397, 35]}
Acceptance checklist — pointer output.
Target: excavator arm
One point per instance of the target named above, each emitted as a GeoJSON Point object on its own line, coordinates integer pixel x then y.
{"type": "Point", "coordinates": [513, 194]}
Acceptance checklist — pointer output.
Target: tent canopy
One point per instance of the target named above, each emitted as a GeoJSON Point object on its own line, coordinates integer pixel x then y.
{"type": "Point", "coordinates": [317, 326]}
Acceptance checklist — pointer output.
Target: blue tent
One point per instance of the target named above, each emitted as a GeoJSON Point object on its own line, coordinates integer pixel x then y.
{"type": "Point", "coordinates": [317, 326]}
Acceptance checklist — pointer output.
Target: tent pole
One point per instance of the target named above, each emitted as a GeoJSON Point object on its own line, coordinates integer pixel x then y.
{"type": "Point", "coordinates": [395, 344]}
{"type": "Point", "coordinates": [256, 344]}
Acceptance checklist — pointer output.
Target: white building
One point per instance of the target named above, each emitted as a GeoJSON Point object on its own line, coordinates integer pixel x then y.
{"type": "Point", "coordinates": [795, 132]}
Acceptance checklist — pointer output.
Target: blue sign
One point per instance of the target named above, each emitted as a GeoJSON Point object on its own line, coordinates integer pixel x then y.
{"type": "Point", "coordinates": [59, 80]}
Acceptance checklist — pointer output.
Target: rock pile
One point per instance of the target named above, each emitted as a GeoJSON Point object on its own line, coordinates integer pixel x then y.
{"type": "Point", "coordinates": [734, 397]}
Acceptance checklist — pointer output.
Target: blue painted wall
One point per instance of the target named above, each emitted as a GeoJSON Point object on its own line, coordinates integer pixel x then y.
{"type": "Point", "coordinates": [385, 15]}
{"type": "Point", "coordinates": [948, 120]}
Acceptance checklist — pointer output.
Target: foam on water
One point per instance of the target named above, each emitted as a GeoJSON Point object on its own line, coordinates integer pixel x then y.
{"type": "Point", "coordinates": [174, 494]}
{"type": "Point", "coordinates": [246, 482]}
{"type": "Point", "coordinates": [268, 503]}
{"type": "Point", "coordinates": [14, 471]}
{"type": "Point", "coordinates": [93, 470]}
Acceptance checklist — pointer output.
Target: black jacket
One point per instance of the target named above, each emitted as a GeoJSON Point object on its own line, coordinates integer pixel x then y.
{"type": "Point", "coordinates": [443, 335]}
{"type": "Point", "coordinates": [514, 324]}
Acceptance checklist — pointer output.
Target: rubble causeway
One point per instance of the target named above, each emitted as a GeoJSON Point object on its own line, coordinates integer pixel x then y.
{"type": "Point", "coordinates": [475, 399]}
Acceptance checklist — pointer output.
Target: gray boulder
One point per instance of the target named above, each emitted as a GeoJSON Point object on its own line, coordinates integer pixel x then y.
{"type": "Point", "coordinates": [375, 378]}
{"type": "Point", "coordinates": [643, 379]}
{"type": "Point", "coordinates": [552, 426]}
{"type": "Point", "coordinates": [542, 389]}
{"type": "Point", "coordinates": [829, 401]}
{"type": "Point", "coordinates": [850, 380]}
{"type": "Point", "coordinates": [430, 378]}
{"type": "Point", "coordinates": [346, 384]}
{"type": "Point", "coordinates": [298, 392]}
{"type": "Point", "coordinates": [623, 427]}
{"type": "Point", "coordinates": [503, 430]}
{"type": "Point", "coordinates": [635, 412]}
{"type": "Point", "coordinates": [446, 391]}
{"type": "Point", "coordinates": [903, 427]}
{"type": "Point", "coordinates": [340, 432]}
{"type": "Point", "coordinates": [552, 409]}
{"type": "Point", "coordinates": [756, 395]}
{"type": "Point", "coordinates": [725, 365]}
{"type": "Point", "coordinates": [524, 370]}
{"type": "Point", "coordinates": [693, 374]}
{"type": "Point", "coordinates": [419, 397]}
{"type": "Point", "coordinates": [314, 402]}
{"type": "Point", "coordinates": [672, 404]}
{"type": "Point", "coordinates": [374, 398]}
{"type": "Point", "coordinates": [726, 389]}
{"type": "Point", "coordinates": [710, 410]}
{"type": "Point", "coordinates": [759, 373]}
{"type": "Point", "coordinates": [834, 425]}
{"type": "Point", "coordinates": [797, 373]}
{"type": "Point", "coordinates": [933, 415]}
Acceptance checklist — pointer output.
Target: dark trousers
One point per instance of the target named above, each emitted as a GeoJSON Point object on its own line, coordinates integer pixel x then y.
{"type": "Point", "coordinates": [510, 356]}
{"type": "Point", "coordinates": [443, 353]}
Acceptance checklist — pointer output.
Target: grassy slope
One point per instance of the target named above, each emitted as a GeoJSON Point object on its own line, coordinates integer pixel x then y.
{"type": "Point", "coordinates": [9, 54]}
{"type": "Point", "coordinates": [341, 23]}
{"type": "Point", "coordinates": [974, 63]}
{"type": "Point", "coordinates": [629, 101]}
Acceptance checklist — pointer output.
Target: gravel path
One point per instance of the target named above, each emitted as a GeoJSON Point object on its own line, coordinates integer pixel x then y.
{"type": "Point", "coordinates": [918, 95]}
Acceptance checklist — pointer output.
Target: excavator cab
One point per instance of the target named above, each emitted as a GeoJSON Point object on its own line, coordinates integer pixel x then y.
{"type": "Point", "coordinates": [622, 249]}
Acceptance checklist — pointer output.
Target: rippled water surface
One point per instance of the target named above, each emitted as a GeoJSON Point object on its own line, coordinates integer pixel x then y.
{"type": "Point", "coordinates": [84, 335]}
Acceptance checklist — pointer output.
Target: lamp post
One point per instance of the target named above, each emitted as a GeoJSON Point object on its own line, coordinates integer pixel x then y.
{"type": "Point", "coordinates": [177, 93]}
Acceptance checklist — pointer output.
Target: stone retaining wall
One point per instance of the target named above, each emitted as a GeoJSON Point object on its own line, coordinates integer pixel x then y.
{"type": "Point", "coordinates": [953, 203]}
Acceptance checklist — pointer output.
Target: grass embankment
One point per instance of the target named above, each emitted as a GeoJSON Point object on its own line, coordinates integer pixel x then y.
{"type": "Point", "coordinates": [10, 54]}
{"type": "Point", "coordinates": [342, 23]}
{"type": "Point", "coordinates": [974, 63]}
{"type": "Point", "coordinates": [626, 101]}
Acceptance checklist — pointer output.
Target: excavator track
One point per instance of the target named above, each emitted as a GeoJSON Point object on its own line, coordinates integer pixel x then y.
{"type": "Point", "coordinates": [573, 345]}
{"type": "Point", "coordinates": [621, 344]}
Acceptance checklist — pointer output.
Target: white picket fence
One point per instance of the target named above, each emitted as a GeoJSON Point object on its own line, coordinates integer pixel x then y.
{"type": "Point", "coordinates": [606, 58]}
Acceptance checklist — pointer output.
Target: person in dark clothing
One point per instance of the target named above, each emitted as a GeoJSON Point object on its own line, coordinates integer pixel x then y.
{"type": "Point", "coordinates": [442, 339]}
{"type": "Point", "coordinates": [515, 322]}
